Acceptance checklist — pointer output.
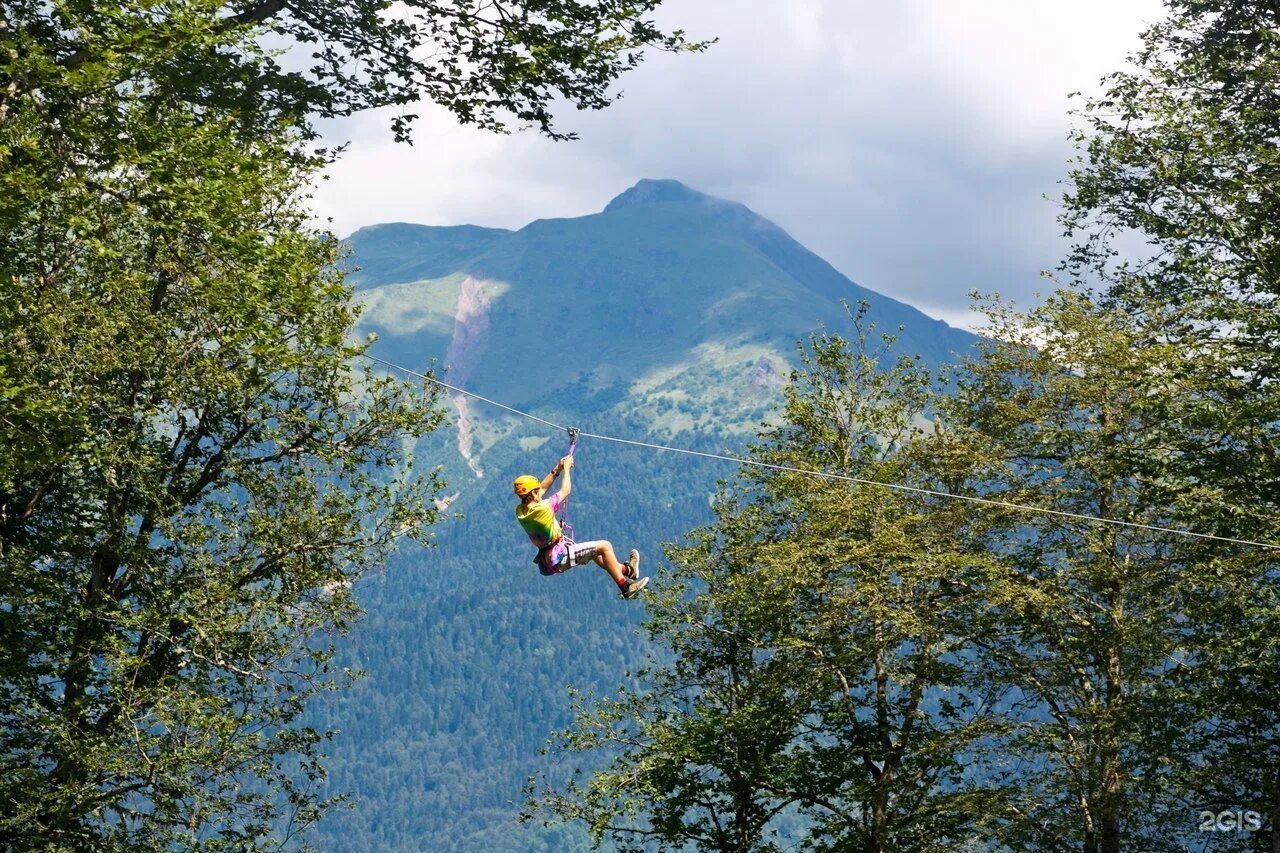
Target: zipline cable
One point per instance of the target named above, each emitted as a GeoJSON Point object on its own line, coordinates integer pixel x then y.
{"type": "Point", "coordinates": [460, 391]}
{"type": "Point", "coordinates": [828, 476]}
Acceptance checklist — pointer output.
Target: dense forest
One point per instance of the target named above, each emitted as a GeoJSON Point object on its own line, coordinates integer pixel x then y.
{"type": "Point", "coordinates": [470, 656]}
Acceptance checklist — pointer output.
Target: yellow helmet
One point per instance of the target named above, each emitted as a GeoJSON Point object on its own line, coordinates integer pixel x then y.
{"type": "Point", "coordinates": [525, 484]}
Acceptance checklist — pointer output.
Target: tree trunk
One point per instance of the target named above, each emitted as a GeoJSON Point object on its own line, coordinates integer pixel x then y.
{"type": "Point", "coordinates": [879, 813]}
{"type": "Point", "coordinates": [1112, 793]}
{"type": "Point", "coordinates": [1275, 813]}
{"type": "Point", "coordinates": [884, 738]}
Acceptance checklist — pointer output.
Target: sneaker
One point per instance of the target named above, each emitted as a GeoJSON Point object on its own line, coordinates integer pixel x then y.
{"type": "Point", "coordinates": [633, 588]}
{"type": "Point", "coordinates": [633, 564]}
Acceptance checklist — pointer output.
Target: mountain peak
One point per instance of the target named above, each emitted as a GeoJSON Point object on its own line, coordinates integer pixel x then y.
{"type": "Point", "coordinates": [655, 191]}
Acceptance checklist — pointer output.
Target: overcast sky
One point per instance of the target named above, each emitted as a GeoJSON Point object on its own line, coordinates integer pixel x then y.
{"type": "Point", "coordinates": [909, 143]}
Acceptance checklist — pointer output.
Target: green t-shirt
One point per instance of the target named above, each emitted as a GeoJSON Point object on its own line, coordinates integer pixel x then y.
{"type": "Point", "coordinates": [539, 521]}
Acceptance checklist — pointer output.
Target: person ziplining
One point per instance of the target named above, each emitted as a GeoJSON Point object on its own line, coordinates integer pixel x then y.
{"type": "Point", "coordinates": [553, 537]}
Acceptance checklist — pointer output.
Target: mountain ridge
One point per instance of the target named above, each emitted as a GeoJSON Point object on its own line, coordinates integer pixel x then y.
{"type": "Point", "coordinates": [661, 261]}
{"type": "Point", "coordinates": [646, 192]}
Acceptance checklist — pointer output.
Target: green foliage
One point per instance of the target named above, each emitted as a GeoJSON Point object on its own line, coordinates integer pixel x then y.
{"type": "Point", "coordinates": [894, 669]}
{"type": "Point", "coordinates": [193, 473]}
{"type": "Point", "coordinates": [818, 632]}
{"type": "Point", "coordinates": [1099, 630]}
{"type": "Point", "coordinates": [487, 65]}
{"type": "Point", "coordinates": [1183, 153]}
{"type": "Point", "coordinates": [196, 475]}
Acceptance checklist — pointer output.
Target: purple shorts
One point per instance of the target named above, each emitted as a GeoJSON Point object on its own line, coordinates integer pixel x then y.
{"type": "Point", "coordinates": [566, 558]}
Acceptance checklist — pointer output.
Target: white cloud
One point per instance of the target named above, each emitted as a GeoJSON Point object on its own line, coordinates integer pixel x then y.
{"type": "Point", "coordinates": [909, 143]}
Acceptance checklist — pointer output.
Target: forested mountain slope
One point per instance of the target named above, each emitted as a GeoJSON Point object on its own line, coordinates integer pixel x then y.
{"type": "Point", "coordinates": [669, 317]}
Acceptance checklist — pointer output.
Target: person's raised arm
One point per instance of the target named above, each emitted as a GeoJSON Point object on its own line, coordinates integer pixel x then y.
{"type": "Point", "coordinates": [565, 486]}
{"type": "Point", "coordinates": [550, 478]}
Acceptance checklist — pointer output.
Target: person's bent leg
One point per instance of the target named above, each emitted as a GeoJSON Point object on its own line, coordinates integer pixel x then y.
{"type": "Point", "coordinates": [600, 552]}
{"type": "Point", "coordinates": [606, 560]}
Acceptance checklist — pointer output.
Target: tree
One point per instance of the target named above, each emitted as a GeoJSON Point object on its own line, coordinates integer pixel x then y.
{"type": "Point", "coordinates": [1182, 155]}
{"type": "Point", "coordinates": [485, 62]}
{"type": "Point", "coordinates": [820, 638]}
{"type": "Point", "coordinates": [194, 473]}
{"type": "Point", "coordinates": [1173, 207]}
{"type": "Point", "coordinates": [1104, 641]}
{"type": "Point", "coordinates": [879, 669]}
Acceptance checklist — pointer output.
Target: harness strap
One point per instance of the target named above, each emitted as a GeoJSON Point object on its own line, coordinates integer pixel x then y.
{"type": "Point", "coordinates": [566, 529]}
